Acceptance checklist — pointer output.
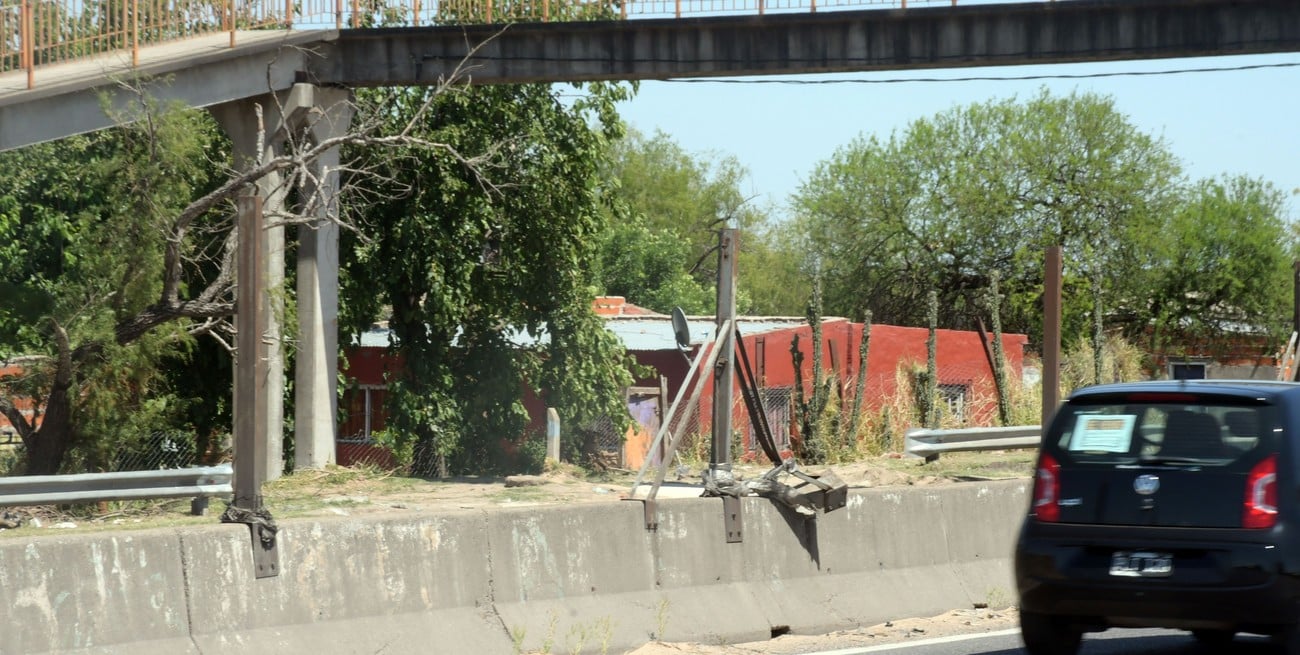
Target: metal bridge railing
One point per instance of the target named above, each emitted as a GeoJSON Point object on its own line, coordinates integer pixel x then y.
{"type": "Point", "coordinates": [35, 33]}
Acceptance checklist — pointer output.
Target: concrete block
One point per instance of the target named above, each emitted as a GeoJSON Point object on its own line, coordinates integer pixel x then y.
{"type": "Point", "coordinates": [573, 578]}
{"type": "Point", "coordinates": [558, 552]}
{"type": "Point", "coordinates": [691, 548]}
{"type": "Point", "coordinates": [462, 631]}
{"type": "Point", "coordinates": [395, 572]}
{"type": "Point", "coordinates": [100, 592]}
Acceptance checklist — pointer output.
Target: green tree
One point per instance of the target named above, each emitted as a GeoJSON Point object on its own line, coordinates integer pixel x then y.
{"type": "Point", "coordinates": [99, 254]}
{"type": "Point", "coordinates": [1218, 265]}
{"type": "Point", "coordinates": [472, 251]}
{"type": "Point", "coordinates": [981, 188]}
{"type": "Point", "coordinates": [660, 249]}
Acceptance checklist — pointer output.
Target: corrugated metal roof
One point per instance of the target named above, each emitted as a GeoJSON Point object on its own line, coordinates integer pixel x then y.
{"type": "Point", "coordinates": [638, 333]}
{"type": "Point", "coordinates": [656, 333]}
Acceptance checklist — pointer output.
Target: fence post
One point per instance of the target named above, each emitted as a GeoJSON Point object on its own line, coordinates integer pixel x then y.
{"type": "Point", "coordinates": [552, 434]}
{"type": "Point", "coordinates": [135, 33]}
{"type": "Point", "coordinates": [29, 51]}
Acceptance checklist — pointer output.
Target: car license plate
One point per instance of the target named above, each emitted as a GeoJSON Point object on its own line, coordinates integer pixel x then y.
{"type": "Point", "coordinates": [1141, 564]}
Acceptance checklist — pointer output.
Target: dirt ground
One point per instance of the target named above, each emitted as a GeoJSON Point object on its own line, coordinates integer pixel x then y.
{"type": "Point", "coordinates": [955, 622]}
{"type": "Point", "coordinates": [339, 491]}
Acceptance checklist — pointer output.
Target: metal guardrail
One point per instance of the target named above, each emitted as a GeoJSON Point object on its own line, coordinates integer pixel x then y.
{"type": "Point", "coordinates": [198, 482]}
{"type": "Point", "coordinates": [932, 443]}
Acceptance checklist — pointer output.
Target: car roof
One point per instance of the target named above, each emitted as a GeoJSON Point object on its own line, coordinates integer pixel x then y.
{"type": "Point", "coordinates": [1245, 388]}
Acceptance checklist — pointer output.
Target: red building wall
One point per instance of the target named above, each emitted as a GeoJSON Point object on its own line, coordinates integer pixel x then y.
{"type": "Point", "coordinates": [23, 405]}
{"type": "Point", "coordinates": [960, 355]}
{"type": "Point", "coordinates": [960, 358]}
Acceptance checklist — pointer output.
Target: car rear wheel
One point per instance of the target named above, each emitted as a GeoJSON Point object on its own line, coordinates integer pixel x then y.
{"type": "Point", "coordinates": [1288, 640]}
{"type": "Point", "coordinates": [1215, 639]}
{"type": "Point", "coordinates": [1049, 635]}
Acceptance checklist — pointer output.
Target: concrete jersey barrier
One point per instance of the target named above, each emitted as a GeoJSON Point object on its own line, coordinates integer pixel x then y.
{"type": "Point", "coordinates": [586, 578]}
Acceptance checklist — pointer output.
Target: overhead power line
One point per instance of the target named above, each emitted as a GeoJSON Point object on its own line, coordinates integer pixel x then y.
{"type": "Point", "coordinates": [990, 78]}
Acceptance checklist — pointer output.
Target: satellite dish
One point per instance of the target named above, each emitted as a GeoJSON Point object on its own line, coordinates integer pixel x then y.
{"type": "Point", "coordinates": [681, 330]}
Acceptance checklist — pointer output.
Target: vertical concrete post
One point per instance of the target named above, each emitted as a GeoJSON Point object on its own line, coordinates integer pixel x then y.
{"type": "Point", "coordinates": [552, 434]}
{"type": "Point", "coordinates": [329, 114]}
{"type": "Point", "coordinates": [724, 372]}
{"type": "Point", "coordinates": [239, 120]}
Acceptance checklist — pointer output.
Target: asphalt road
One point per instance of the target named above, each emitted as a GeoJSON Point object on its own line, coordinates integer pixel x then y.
{"type": "Point", "coordinates": [1111, 642]}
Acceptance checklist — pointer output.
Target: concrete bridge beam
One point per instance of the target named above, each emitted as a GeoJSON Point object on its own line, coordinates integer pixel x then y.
{"type": "Point", "coordinates": [824, 42]}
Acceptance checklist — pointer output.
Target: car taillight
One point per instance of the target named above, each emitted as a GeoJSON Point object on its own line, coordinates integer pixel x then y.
{"type": "Point", "coordinates": [1261, 495]}
{"type": "Point", "coordinates": [1047, 489]}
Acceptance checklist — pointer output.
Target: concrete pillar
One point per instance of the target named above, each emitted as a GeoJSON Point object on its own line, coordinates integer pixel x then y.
{"type": "Point", "coordinates": [239, 120]}
{"type": "Point", "coordinates": [316, 366]}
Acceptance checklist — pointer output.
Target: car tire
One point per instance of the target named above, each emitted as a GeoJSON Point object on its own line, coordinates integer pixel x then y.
{"type": "Point", "coordinates": [1288, 640]}
{"type": "Point", "coordinates": [1214, 639]}
{"type": "Point", "coordinates": [1049, 635]}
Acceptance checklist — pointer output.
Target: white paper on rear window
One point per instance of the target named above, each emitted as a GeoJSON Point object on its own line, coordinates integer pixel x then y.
{"type": "Point", "coordinates": [1103, 433]}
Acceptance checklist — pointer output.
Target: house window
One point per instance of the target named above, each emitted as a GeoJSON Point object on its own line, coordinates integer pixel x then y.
{"type": "Point", "coordinates": [954, 398]}
{"type": "Point", "coordinates": [366, 415]}
{"type": "Point", "coordinates": [1187, 371]}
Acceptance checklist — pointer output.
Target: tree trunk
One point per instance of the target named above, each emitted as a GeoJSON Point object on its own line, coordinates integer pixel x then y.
{"type": "Point", "coordinates": [48, 445]}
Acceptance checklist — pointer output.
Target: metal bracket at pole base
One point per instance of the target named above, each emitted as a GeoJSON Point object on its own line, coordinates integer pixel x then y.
{"type": "Point", "coordinates": [262, 529]}
{"type": "Point", "coordinates": [732, 520]}
{"type": "Point", "coordinates": [651, 513]}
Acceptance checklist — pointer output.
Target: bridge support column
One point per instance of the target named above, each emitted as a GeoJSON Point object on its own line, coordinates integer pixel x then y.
{"type": "Point", "coordinates": [316, 367]}
{"type": "Point", "coordinates": [315, 114]}
{"type": "Point", "coordinates": [239, 120]}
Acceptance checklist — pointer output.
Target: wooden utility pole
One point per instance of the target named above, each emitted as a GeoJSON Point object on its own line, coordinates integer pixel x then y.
{"type": "Point", "coordinates": [1051, 333]}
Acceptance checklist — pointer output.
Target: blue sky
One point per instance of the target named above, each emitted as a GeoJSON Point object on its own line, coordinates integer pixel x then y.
{"type": "Point", "coordinates": [1234, 122]}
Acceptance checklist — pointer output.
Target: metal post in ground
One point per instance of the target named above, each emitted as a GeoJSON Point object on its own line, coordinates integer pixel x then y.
{"type": "Point", "coordinates": [1051, 333]}
{"type": "Point", "coordinates": [251, 391]}
{"type": "Point", "coordinates": [724, 371]}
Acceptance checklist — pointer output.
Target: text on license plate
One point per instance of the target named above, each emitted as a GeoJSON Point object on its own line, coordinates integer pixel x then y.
{"type": "Point", "coordinates": [1141, 564]}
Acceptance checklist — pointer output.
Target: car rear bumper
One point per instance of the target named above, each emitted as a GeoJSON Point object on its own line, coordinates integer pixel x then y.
{"type": "Point", "coordinates": [1215, 585]}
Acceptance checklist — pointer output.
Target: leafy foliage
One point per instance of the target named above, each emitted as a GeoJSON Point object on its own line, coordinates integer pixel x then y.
{"type": "Point", "coordinates": [86, 223]}
{"type": "Point", "coordinates": [668, 206]}
{"type": "Point", "coordinates": [989, 186]}
{"type": "Point", "coordinates": [480, 258]}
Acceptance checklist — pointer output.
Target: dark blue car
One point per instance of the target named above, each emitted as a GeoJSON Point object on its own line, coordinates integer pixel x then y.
{"type": "Point", "coordinates": [1165, 504]}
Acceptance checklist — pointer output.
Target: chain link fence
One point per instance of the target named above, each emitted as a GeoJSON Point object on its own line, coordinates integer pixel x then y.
{"type": "Point", "coordinates": [161, 449]}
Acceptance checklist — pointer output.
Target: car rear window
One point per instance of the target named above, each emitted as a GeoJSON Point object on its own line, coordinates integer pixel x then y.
{"type": "Point", "coordinates": [1174, 430]}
